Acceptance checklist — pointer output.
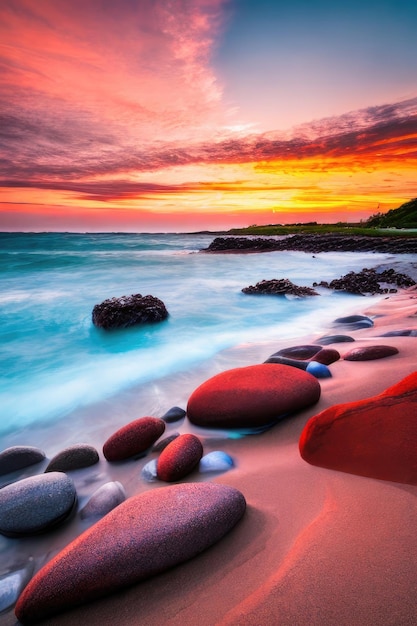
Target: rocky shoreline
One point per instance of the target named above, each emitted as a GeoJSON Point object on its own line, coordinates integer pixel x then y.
{"type": "Point", "coordinates": [314, 243]}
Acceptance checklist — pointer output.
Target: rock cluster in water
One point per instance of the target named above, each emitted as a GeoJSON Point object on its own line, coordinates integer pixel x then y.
{"type": "Point", "coordinates": [323, 242]}
{"type": "Point", "coordinates": [368, 281]}
{"type": "Point", "coordinates": [279, 287]}
{"type": "Point", "coordinates": [128, 311]}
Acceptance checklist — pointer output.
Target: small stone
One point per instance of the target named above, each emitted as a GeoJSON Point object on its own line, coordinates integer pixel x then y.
{"type": "Point", "coordinates": [72, 458]}
{"type": "Point", "coordinates": [355, 322]}
{"type": "Point", "coordinates": [149, 471]}
{"type": "Point", "coordinates": [283, 360]}
{"type": "Point", "coordinates": [19, 457]}
{"type": "Point", "coordinates": [319, 370]}
{"type": "Point", "coordinates": [298, 352]}
{"type": "Point", "coordinates": [146, 535]}
{"type": "Point", "coordinates": [400, 333]}
{"type": "Point", "coordinates": [133, 438]}
{"type": "Point", "coordinates": [35, 504]}
{"type": "Point", "coordinates": [327, 339]}
{"type": "Point", "coordinates": [216, 461]}
{"type": "Point", "coordinates": [174, 415]}
{"type": "Point", "coordinates": [160, 445]}
{"type": "Point", "coordinates": [179, 458]}
{"type": "Point", "coordinates": [103, 500]}
{"type": "Point", "coordinates": [327, 356]}
{"type": "Point", "coordinates": [369, 353]}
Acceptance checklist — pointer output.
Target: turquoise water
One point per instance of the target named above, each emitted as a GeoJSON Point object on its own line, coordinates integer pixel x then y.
{"type": "Point", "coordinates": [54, 361]}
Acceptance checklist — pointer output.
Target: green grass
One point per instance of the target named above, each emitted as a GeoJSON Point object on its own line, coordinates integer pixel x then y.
{"type": "Point", "coordinates": [339, 228]}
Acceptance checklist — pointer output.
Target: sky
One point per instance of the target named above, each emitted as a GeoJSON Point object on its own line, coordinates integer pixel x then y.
{"type": "Point", "coordinates": [186, 115]}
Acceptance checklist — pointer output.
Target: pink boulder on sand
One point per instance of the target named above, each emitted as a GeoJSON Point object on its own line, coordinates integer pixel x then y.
{"type": "Point", "coordinates": [375, 437]}
{"type": "Point", "coordinates": [251, 397]}
{"type": "Point", "coordinates": [179, 458]}
{"type": "Point", "coordinates": [143, 536]}
{"type": "Point", "coordinates": [133, 439]}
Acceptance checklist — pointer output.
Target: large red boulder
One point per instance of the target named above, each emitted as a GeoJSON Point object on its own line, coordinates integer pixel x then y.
{"type": "Point", "coordinates": [133, 438]}
{"type": "Point", "coordinates": [179, 458]}
{"type": "Point", "coordinates": [253, 396]}
{"type": "Point", "coordinates": [375, 437]}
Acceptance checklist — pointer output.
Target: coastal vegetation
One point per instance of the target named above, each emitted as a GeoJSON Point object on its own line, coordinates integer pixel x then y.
{"type": "Point", "coordinates": [401, 222]}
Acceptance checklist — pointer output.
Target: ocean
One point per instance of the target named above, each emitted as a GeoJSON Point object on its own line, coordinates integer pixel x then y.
{"type": "Point", "coordinates": [55, 365]}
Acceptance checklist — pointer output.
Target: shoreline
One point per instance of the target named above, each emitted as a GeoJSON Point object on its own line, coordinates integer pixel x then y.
{"type": "Point", "coordinates": [311, 540]}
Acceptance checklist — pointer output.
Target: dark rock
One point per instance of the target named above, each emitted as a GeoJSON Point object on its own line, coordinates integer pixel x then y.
{"type": "Point", "coordinates": [35, 504]}
{"type": "Point", "coordinates": [400, 333]}
{"type": "Point", "coordinates": [279, 287]}
{"type": "Point", "coordinates": [375, 437]}
{"type": "Point", "coordinates": [369, 353]}
{"type": "Point", "coordinates": [368, 281]}
{"type": "Point", "coordinates": [104, 500]}
{"type": "Point", "coordinates": [72, 458]}
{"type": "Point", "coordinates": [327, 356]}
{"type": "Point", "coordinates": [19, 457]}
{"type": "Point", "coordinates": [299, 352]}
{"type": "Point", "coordinates": [160, 445]}
{"type": "Point", "coordinates": [144, 536]}
{"type": "Point", "coordinates": [327, 339]}
{"type": "Point", "coordinates": [283, 360]}
{"type": "Point", "coordinates": [354, 322]}
{"type": "Point", "coordinates": [174, 415]}
{"type": "Point", "coordinates": [179, 458]}
{"type": "Point", "coordinates": [133, 438]}
{"type": "Point", "coordinates": [129, 311]}
{"type": "Point", "coordinates": [253, 396]}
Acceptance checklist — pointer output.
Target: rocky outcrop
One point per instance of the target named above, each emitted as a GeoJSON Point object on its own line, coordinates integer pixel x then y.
{"type": "Point", "coordinates": [315, 243]}
{"type": "Point", "coordinates": [279, 287]}
{"type": "Point", "coordinates": [368, 281]}
{"type": "Point", "coordinates": [128, 311]}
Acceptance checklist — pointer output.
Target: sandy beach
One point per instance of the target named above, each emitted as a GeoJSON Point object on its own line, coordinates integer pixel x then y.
{"type": "Point", "coordinates": [316, 546]}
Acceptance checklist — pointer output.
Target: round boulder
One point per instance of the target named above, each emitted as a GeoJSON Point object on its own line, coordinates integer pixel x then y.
{"type": "Point", "coordinates": [144, 536]}
{"type": "Point", "coordinates": [129, 311]}
{"type": "Point", "coordinates": [252, 396]}
{"type": "Point", "coordinates": [370, 353]}
{"type": "Point", "coordinates": [179, 458]}
{"type": "Point", "coordinates": [103, 500]}
{"type": "Point", "coordinates": [35, 504]}
{"type": "Point", "coordinates": [133, 439]}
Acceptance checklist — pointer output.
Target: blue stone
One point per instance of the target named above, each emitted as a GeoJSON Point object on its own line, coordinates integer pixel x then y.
{"type": "Point", "coordinates": [149, 471]}
{"type": "Point", "coordinates": [319, 370]}
{"type": "Point", "coordinates": [12, 584]}
{"type": "Point", "coordinates": [216, 461]}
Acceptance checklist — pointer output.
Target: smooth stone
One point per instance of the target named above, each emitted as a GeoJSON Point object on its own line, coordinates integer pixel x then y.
{"type": "Point", "coordinates": [174, 415]}
{"type": "Point", "coordinates": [12, 583]}
{"type": "Point", "coordinates": [283, 360]}
{"type": "Point", "coordinates": [179, 458]}
{"type": "Point", "coordinates": [144, 536]}
{"type": "Point", "coordinates": [298, 352]}
{"type": "Point", "coordinates": [400, 333]}
{"type": "Point", "coordinates": [35, 504]}
{"type": "Point", "coordinates": [160, 445]}
{"type": "Point", "coordinates": [104, 500]}
{"type": "Point", "coordinates": [375, 437]}
{"type": "Point", "coordinates": [19, 457]}
{"type": "Point", "coordinates": [355, 322]}
{"type": "Point", "coordinates": [216, 461]}
{"type": "Point", "coordinates": [370, 353]}
{"type": "Point", "coordinates": [252, 396]}
{"type": "Point", "coordinates": [72, 458]}
{"type": "Point", "coordinates": [149, 471]}
{"type": "Point", "coordinates": [133, 438]}
{"type": "Point", "coordinates": [327, 356]}
{"type": "Point", "coordinates": [327, 339]}
{"type": "Point", "coordinates": [319, 370]}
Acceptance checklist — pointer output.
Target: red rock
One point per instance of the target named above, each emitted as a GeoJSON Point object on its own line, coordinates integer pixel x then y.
{"type": "Point", "coordinates": [375, 437]}
{"type": "Point", "coordinates": [252, 396]}
{"type": "Point", "coordinates": [369, 353]}
{"type": "Point", "coordinates": [326, 356]}
{"type": "Point", "coordinates": [133, 438]}
{"type": "Point", "coordinates": [145, 535]}
{"type": "Point", "coordinates": [179, 458]}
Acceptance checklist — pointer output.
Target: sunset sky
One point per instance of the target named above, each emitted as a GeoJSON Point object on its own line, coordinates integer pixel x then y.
{"type": "Point", "coordinates": [182, 115]}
